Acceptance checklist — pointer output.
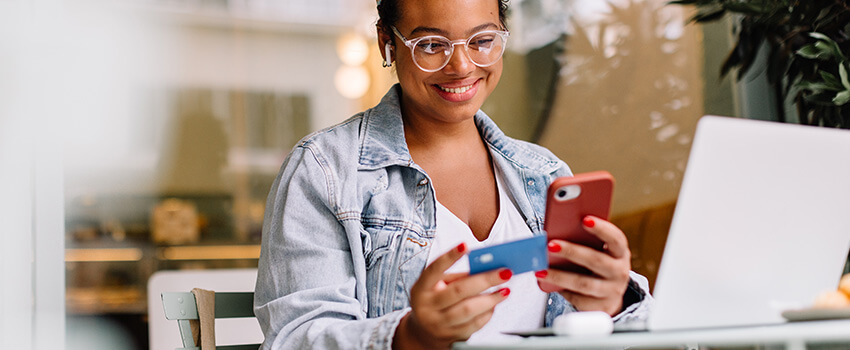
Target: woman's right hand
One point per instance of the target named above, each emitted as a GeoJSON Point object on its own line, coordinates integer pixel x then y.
{"type": "Point", "coordinates": [448, 307]}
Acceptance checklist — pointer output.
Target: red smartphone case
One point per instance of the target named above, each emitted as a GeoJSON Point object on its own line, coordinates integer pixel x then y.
{"type": "Point", "coordinates": [564, 216]}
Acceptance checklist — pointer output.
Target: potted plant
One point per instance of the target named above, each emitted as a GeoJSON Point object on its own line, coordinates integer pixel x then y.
{"type": "Point", "coordinates": [808, 43]}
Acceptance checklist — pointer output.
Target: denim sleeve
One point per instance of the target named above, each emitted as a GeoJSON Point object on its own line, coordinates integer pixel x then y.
{"type": "Point", "coordinates": [309, 291]}
{"type": "Point", "coordinates": [639, 299]}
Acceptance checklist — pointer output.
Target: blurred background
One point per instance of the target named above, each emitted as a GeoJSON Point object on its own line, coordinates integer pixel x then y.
{"type": "Point", "coordinates": [152, 130]}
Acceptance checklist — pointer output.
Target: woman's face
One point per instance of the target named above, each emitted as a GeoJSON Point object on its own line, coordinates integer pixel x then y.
{"type": "Point", "coordinates": [456, 92]}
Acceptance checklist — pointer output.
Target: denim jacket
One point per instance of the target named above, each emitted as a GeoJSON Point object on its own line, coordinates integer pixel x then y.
{"type": "Point", "coordinates": [348, 226]}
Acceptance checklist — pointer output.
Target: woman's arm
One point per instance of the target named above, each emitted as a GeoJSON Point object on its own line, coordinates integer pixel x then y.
{"type": "Point", "coordinates": [310, 285]}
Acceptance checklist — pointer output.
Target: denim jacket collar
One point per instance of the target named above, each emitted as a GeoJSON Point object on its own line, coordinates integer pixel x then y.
{"type": "Point", "coordinates": [383, 143]}
{"type": "Point", "coordinates": [382, 134]}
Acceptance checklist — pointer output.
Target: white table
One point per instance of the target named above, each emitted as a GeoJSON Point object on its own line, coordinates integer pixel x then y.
{"type": "Point", "coordinates": [793, 336]}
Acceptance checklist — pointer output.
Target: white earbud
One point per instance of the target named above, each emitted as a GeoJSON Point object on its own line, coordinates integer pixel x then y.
{"type": "Point", "coordinates": [388, 60]}
{"type": "Point", "coordinates": [587, 323]}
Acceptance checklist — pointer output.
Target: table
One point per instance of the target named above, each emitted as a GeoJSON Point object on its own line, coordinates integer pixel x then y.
{"type": "Point", "coordinates": [792, 335]}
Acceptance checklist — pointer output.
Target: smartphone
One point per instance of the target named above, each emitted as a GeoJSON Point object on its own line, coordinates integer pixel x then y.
{"type": "Point", "coordinates": [568, 201]}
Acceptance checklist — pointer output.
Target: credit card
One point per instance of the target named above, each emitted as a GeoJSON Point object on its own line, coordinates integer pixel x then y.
{"type": "Point", "coordinates": [520, 256]}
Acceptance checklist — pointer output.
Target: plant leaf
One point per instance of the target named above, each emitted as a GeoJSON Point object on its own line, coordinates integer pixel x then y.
{"type": "Point", "coordinates": [824, 99]}
{"type": "Point", "coordinates": [842, 72]}
{"type": "Point", "coordinates": [825, 43]}
{"type": "Point", "coordinates": [825, 49]}
{"type": "Point", "coordinates": [811, 52]}
{"type": "Point", "coordinates": [841, 98]}
{"type": "Point", "coordinates": [830, 79]}
{"type": "Point", "coordinates": [820, 36]}
{"type": "Point", "coordinates": [816, 87]}
{"type": "Point", "coordinates": [823, 13]}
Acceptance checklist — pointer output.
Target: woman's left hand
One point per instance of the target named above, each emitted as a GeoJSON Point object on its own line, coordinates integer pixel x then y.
{"type": "Point", "coordinates": [602, 291]}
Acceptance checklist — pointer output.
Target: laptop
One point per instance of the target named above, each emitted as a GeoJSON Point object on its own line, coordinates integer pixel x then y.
{"type": "Point", "coordinates": [761, 225]}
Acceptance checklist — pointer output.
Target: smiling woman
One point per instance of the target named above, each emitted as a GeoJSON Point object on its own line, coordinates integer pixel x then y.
{"type": "Point", "coordinates": [368, 222]}
{"type": "Point", "coordinates": [426, 92]}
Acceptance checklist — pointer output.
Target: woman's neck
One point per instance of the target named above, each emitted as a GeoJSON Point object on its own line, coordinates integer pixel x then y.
{"type": "Point", "coordinates": [431, 134]}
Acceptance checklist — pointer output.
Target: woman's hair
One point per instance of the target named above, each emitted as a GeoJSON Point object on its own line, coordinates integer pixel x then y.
{"type": "Point", "coordinates": [389, 13]}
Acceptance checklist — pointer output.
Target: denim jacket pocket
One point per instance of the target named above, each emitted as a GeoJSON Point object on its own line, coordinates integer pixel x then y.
{"type": "Point", "coordinates": [381, 259]}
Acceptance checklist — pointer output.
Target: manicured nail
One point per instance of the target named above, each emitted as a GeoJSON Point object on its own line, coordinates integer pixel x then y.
{"type": "Point", "coordinates": [461, 247]}
{"type": "Point", "coordinates": [588, 222]}
{"type": "Point", "coordinates": [505, 292]}
{"type": "Point", "coordinates": [505, 274]}
{"type": "Point", "coordinates": [553, 247]}
{"type": "Point", "coordinates": [541, 274]}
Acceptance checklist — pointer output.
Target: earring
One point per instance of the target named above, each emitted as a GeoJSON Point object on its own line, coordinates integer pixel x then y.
{"type": "Point", "coordinates": [388, 60]}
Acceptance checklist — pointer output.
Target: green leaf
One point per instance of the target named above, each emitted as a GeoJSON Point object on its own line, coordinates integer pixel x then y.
{"type": "Point", "coordinates": [826, 49]}
{"type": "Point", "coordinates": [841, 98]}
{"type": "Point", "coordinates": [842, 72]}
{"type": "Point", "coordinates": [825, 43]}
{"type": "Point", "coordinates": [817, 87]}
{"type": "Point", "coordinates": [823, 13]}
{"type": "Point", "coordinates": [825, 99]}
{"type": "Point", "coordinates": [812, 52]}
{"type": "Point", "coordinates": [830, 79]}
{"type": "Point", "coordinates": [820, 36]}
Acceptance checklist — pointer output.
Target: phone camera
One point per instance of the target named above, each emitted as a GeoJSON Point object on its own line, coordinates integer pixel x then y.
{"type": "Point", "coordinates": [567, 192]}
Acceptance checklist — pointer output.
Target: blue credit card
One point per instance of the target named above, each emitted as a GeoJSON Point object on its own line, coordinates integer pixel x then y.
{"type": "Point", "coordinates": [520, 256]}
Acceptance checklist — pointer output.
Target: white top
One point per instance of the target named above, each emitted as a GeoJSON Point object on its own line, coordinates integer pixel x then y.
{"type": "Point", "coordinates": [526, 305]}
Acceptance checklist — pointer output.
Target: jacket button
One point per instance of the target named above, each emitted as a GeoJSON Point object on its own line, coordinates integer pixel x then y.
{"type": "Point", "coordinates": [423, 182]}
{"type": "Point", "coordinates": [531, 182]}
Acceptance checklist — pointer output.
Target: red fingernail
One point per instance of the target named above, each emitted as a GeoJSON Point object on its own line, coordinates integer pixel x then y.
{"type": "Point", "coordinates": [588, 222]}
{"type": "Point", "coordinates": [505, 274]}
{"type": "Point", "coordinates": [461, 248]}
{"type": "Point", "coordinates": [505, 292]}
{"type": "Point", "coordinates": [541, 274]}
{"type": "Point", "coordinates": [553, 247]}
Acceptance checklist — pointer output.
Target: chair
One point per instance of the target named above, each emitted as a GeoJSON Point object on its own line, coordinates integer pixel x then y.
{"type": "Point", "coordinates": [165, 335]}
{"type": "Point", "coordinates": [181, 306]}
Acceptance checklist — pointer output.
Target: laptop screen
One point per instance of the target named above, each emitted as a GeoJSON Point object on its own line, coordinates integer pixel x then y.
{"type": "Point", "coordinates": [761, 224]}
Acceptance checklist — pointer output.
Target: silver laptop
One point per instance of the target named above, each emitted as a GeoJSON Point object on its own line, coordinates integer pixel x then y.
{"type": "Point", "coordinates": [762, 224]}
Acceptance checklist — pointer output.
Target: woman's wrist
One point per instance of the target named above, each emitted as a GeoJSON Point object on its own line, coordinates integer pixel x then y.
{"type": "Point", "coordinates": [407, 336]}
{"type": "Point", "coordinates": [403, 338]}
{"type": "Point", "coordinates": [633, 295]}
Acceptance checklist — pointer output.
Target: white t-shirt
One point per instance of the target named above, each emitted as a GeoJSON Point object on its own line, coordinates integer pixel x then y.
{"type": "Point", "coordinates": [526, 305]}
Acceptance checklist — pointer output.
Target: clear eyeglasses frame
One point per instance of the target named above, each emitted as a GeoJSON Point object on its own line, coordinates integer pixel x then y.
{"type": "Point", "coordinates": [433, 52]}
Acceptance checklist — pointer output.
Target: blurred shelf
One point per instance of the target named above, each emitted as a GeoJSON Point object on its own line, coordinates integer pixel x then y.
{"type": "Point", "coordinates": [107, 277]}
{"type": "Point", "coordinates": [105, 300]}
{"type": "Point", "coordinates": [187, 252]}
{"type": "Point", "coordinates": [103, 254]}
{"type": "Point", "coordinates": [220, 252]}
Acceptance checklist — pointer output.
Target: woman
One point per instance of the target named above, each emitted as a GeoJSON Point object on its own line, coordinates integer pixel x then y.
{"type": "Point", "coordinates": [368, 221]}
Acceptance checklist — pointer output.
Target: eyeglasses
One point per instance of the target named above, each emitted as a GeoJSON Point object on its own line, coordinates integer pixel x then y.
{"type": "Point", "coordinates": [433, 52]}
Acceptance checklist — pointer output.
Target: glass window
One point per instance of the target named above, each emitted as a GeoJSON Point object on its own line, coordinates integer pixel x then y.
{"type": "Point", "coordinates": [170, 169]}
